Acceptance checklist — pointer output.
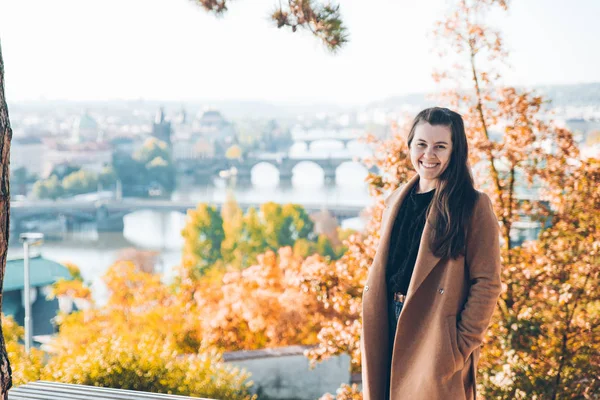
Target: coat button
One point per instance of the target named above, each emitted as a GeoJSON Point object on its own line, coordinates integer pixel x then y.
{"type": "Point", "coordinates": [366, 288]}
{"type": "Point", "coordinates": [441, 290]}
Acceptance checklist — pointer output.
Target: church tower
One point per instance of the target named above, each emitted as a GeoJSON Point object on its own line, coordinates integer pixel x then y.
{"type": "Point", "coordinates": [161, 128]}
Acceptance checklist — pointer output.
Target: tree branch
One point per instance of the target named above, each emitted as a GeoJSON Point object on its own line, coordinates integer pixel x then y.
{"type": "Point", "coordinates": [323, 21]}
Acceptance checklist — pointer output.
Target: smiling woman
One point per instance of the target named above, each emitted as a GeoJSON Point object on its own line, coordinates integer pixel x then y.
{"type": "Point", "coordinates": [435, 278]}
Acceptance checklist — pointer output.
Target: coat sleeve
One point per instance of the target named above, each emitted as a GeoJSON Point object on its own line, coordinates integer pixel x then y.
{"type": "Point", "coordinates": [483, 263]}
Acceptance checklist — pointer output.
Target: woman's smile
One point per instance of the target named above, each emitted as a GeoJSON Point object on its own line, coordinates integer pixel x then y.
{"type": "Point", "coordinates": [428, 165]}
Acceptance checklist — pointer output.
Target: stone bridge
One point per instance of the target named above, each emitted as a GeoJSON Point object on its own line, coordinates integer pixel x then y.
{"type": "Point", "coordinates": [206, 169]}
{"type": "Point", "coordinates": [108, 214]}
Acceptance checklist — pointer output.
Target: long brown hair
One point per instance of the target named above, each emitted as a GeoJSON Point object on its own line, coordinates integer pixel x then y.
{"type": "Point", "coordinates": [455, 195]}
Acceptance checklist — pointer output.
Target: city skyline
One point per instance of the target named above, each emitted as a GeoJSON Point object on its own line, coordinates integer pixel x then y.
{"type": "Point", "coordinates": [175, 51]}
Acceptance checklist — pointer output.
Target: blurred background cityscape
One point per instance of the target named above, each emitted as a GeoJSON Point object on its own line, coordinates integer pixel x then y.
{"type": "Point", "coordinates": [126, 115]}
{"type": "Point", "coordinates": [103, 151]}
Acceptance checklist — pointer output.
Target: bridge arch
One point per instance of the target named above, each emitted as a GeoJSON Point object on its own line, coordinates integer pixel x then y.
{"type": "Point", "coordinates": [264, 173]}
{"type": "Point", "coordinates": [306, 172]}
{"type": "Point", "coordinates": [351, 173]}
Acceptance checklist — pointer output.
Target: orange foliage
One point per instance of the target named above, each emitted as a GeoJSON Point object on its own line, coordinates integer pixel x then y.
{"type": "Point", "coordinates": [265, 305]}
{"type": "Point", "coordinates": [543, 339]}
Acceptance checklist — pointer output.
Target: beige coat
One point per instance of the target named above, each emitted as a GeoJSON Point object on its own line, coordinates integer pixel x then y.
{"type": "Point", "coordinates": [448, 308]}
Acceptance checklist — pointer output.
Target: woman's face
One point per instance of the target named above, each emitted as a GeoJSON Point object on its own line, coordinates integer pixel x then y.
{"type": "Point", "coordinates": [430, 150]}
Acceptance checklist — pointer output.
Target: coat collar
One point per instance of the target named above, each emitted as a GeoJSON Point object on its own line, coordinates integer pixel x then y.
{"type": "Point", "coordinates": [426, 260]}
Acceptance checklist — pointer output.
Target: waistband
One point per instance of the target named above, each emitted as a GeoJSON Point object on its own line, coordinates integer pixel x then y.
{"type": "Point", "coordinates": [397, 296]}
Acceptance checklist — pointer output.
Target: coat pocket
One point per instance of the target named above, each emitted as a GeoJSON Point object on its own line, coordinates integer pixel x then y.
{"type": "Point", "coordinates": [451, 330]}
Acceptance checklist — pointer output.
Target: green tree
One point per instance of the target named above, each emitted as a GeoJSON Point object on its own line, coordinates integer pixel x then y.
{"type": "Point", "coordinates": [63, 170]}
{"type": "Point", "coordinates": [283, 225]}
{"type": "Point", "coordinates": [107, 177]}
{"type": "Point", "coordinates": [233, 224]}
{"type": "Point", "coordinates": [324, 248]}
{"type": "Point", "coordinates": [80, 182]}
{"type": "Point", "coordinates": [162, 172]}
{"type": "Point", "coordinates": [151, 149]}
{"type": "Point", "coordinates": [50, 188]}
{"type": "Point", "coordinates": [300, 226]}
{"type": "Point", "coordinates": [20, 178]}
{"type": "Point", "coordinates": [155, 156]}
{"type": "Point", "coordinates": [130, 172]}
{"type": "Point", "coordinates": [252, 240]}
{"type": "Point", "coordinates": [203, 235]}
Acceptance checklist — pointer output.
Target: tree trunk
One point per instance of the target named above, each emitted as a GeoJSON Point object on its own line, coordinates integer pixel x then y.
{"type": "Point", "coordinates": [5, 138]}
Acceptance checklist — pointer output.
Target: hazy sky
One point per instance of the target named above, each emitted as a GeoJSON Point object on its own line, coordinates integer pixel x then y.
{"type": "Point", "coordinates": [173, 50]}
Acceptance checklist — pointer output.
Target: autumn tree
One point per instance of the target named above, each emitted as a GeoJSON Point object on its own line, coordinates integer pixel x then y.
{"type": "Point", "coordinates": [543, 339]}
{"type": "Point", "coordinates": [548, 284]}
{"type": "Point", "coordinates": [233, 225]}
{"type": "Point", "coordinates": [25, 367]}
{"type": "Point", "coordinates": [549, 347]}
{"type": "Point", "coordinates": [124, 344]}
{"type": "Point", "coordinates": [264, 305]}
{"type": "Point", "coordinates": [235, 238]}
{"type": "Point", "coordinates": [203, 235]}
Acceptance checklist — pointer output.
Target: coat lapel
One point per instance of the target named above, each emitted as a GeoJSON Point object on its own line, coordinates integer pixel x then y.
{"type": "Point", "coordinates": [426, 261]}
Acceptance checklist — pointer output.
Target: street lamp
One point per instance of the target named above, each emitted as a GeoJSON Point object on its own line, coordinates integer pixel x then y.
{"type": "Point", "coordinates": [28, 239]}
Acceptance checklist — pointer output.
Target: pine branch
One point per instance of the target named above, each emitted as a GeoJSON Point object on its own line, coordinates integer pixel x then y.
{"type": "Point", "coordinates": [218, 7]}
{"type": "Point", "coordinates": [323, 21]}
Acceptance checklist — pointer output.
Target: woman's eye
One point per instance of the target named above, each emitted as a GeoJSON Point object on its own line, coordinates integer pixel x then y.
{"type": "Point", "coordinates": [441, 147]}
{"type": "Point", "coordinates": [421, 145]}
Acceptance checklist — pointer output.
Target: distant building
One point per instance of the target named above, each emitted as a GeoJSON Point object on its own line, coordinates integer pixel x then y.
{"type": "Point", "coordinates": [161, 128]}
{"type": "Point", "coordinates": [192, 148]}
{"type": "Point", "coordinates": [85, 129]}
{"type": "Point", "coordinates": [91, 156]}
{"type": "Point", "coordinates": [181, 118]}
{"type": "Point", "coordinates": [326, 224]}
{"type": "Point", "coordinates": [212, 133]}
{"type": "Point", "coordinates": [43, 273]}
{"type": "Point", "coordinates": [126, 144]}
{"type": "Point", "coordinates": [212, 119]}
{"type": "Point", "coordinates": [28, 152]}
{"type": "Point", "coordinates": [213, 124]}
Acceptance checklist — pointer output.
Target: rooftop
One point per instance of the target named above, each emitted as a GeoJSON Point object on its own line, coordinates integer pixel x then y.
{"type": "Point", "coordinates": [43, 272]}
